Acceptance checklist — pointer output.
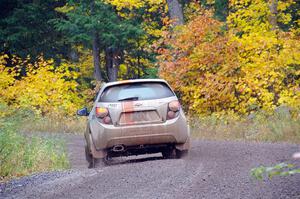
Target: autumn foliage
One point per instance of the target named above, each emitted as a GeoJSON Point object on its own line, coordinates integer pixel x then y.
{"type": "Point", "coordinates": [45, 88]}
{"type": "Point", "coordinates": [238, 71]}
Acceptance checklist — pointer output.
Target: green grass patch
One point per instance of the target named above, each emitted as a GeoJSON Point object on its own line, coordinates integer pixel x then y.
{"type": "Point", "coordinates": [23, 154]}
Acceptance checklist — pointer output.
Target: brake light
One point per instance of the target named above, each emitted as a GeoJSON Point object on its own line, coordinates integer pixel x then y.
{"type": "Point", "coordinates": [107, 120]}
{"type": "Point", "coordinates": [173, 110]}
{"type": "Point", "coordinates": [174, 106]}
{"type": "Point", "coordinates": [103, 115]}
{"type": "Point", "coordinates": [101, 112]}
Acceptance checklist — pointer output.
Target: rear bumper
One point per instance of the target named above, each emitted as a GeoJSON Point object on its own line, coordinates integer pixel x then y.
{"type": "Point", "coordinates": [174, 131]}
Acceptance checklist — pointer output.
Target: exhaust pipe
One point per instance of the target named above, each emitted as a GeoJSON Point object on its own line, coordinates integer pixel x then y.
{"type": "Point", "coordinates": [118, 148]}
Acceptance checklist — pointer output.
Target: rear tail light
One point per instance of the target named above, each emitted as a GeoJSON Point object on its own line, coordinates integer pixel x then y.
{"type": "Point", "coordinates": [103, 115]}
{"type": "Point", "coordinates": [107, 120]}
{"type": "Point", "coordinates": [174, 106]}
{"type": "Point", "coordinates": [101, 112]}
{"type": "Point", "coordinates": [173, 110]}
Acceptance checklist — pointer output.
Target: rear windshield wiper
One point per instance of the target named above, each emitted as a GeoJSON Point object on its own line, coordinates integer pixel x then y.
{"type": "Point", "coordinates": [129, 99]}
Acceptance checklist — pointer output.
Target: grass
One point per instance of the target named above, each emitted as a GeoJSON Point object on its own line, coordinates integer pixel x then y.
{"type": "Point", "coordinates": [23, 154]}
{"type": "Point", "coordinates": [279, 127]}
{"type": "Point", "coordinates": [54, 124]}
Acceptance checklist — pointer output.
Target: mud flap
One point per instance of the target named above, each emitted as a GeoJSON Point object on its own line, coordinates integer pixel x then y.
{"type": "Point", "coordinates": [96, 153]}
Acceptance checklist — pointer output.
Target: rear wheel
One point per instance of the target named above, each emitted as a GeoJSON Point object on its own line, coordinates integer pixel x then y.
{"type": "Point", "coordinates": [168, 153]}
{"type": "Point", "coordinates": [88, 155]}
{"type": "Point", "coordinates": [92, 164]}
{"type": "Point", "coordinates": [106, 161]}
{"type": "Point", "coordinates": [89, 158]}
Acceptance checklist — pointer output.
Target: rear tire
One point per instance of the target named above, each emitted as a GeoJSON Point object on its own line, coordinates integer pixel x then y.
{"type": "Point", "coordinates": [89, 158]}
{"type": "Point", "coordinates": [106, 161]}
{"type": "Point", "coordinates": [168, 153]}
{"type": "Point", "coordinates": [88, 155]}
{"type": "Point", "coordinates": [92, 164]}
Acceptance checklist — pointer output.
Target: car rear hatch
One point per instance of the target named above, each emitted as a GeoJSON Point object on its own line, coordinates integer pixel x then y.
{"type": "Point", "coordinates": [137, 103]}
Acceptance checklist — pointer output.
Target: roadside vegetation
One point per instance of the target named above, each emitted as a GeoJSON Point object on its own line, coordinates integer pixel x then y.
{"type": "Point", "coordinates": [23, 154]}
{"type": "Point", "coordinates": [262, 127]}
{"type": "Point", "coordinates": [282, 169]}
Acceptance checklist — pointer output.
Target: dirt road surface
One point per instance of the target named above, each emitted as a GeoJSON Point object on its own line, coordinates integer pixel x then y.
{"type": "Point", "coordinates": [214, 170]}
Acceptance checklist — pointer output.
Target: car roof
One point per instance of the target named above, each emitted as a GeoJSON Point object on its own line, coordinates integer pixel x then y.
{"type": "Point", "coordinates": [133, 81]}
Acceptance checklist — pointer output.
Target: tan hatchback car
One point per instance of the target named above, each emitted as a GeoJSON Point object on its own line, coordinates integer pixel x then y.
{"type": "Point", "coordinates": [135, 117]}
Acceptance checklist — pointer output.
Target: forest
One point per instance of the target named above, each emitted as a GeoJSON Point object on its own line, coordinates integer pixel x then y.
{"type": "Point", "coordinates": [224, 57]}
{"type": "Point", "coordinates": [229, 61]}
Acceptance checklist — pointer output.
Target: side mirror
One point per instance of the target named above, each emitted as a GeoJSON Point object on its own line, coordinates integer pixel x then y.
{"type": "Point", "coordinates": [83, 112]}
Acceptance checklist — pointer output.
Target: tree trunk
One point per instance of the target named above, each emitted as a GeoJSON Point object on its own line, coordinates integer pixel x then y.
{"type": "Point", "coordinates": [175, 12]}
{"type": "Point", "coordinates": [96, 49]}
{"type": "Point", "coordinates": [113, 59]}
{"type": "Point", "coordinates": [96, 58]}
{"type": "Point", "coordinates": [274, 13]}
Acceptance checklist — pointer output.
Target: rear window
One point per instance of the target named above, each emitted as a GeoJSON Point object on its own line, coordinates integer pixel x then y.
{"type": "Point", "coordinates": [136, 91]}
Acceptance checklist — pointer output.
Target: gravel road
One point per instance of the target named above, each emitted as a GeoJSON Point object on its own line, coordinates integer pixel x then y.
{"type": "Point", "coordinates": [212, 170]}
